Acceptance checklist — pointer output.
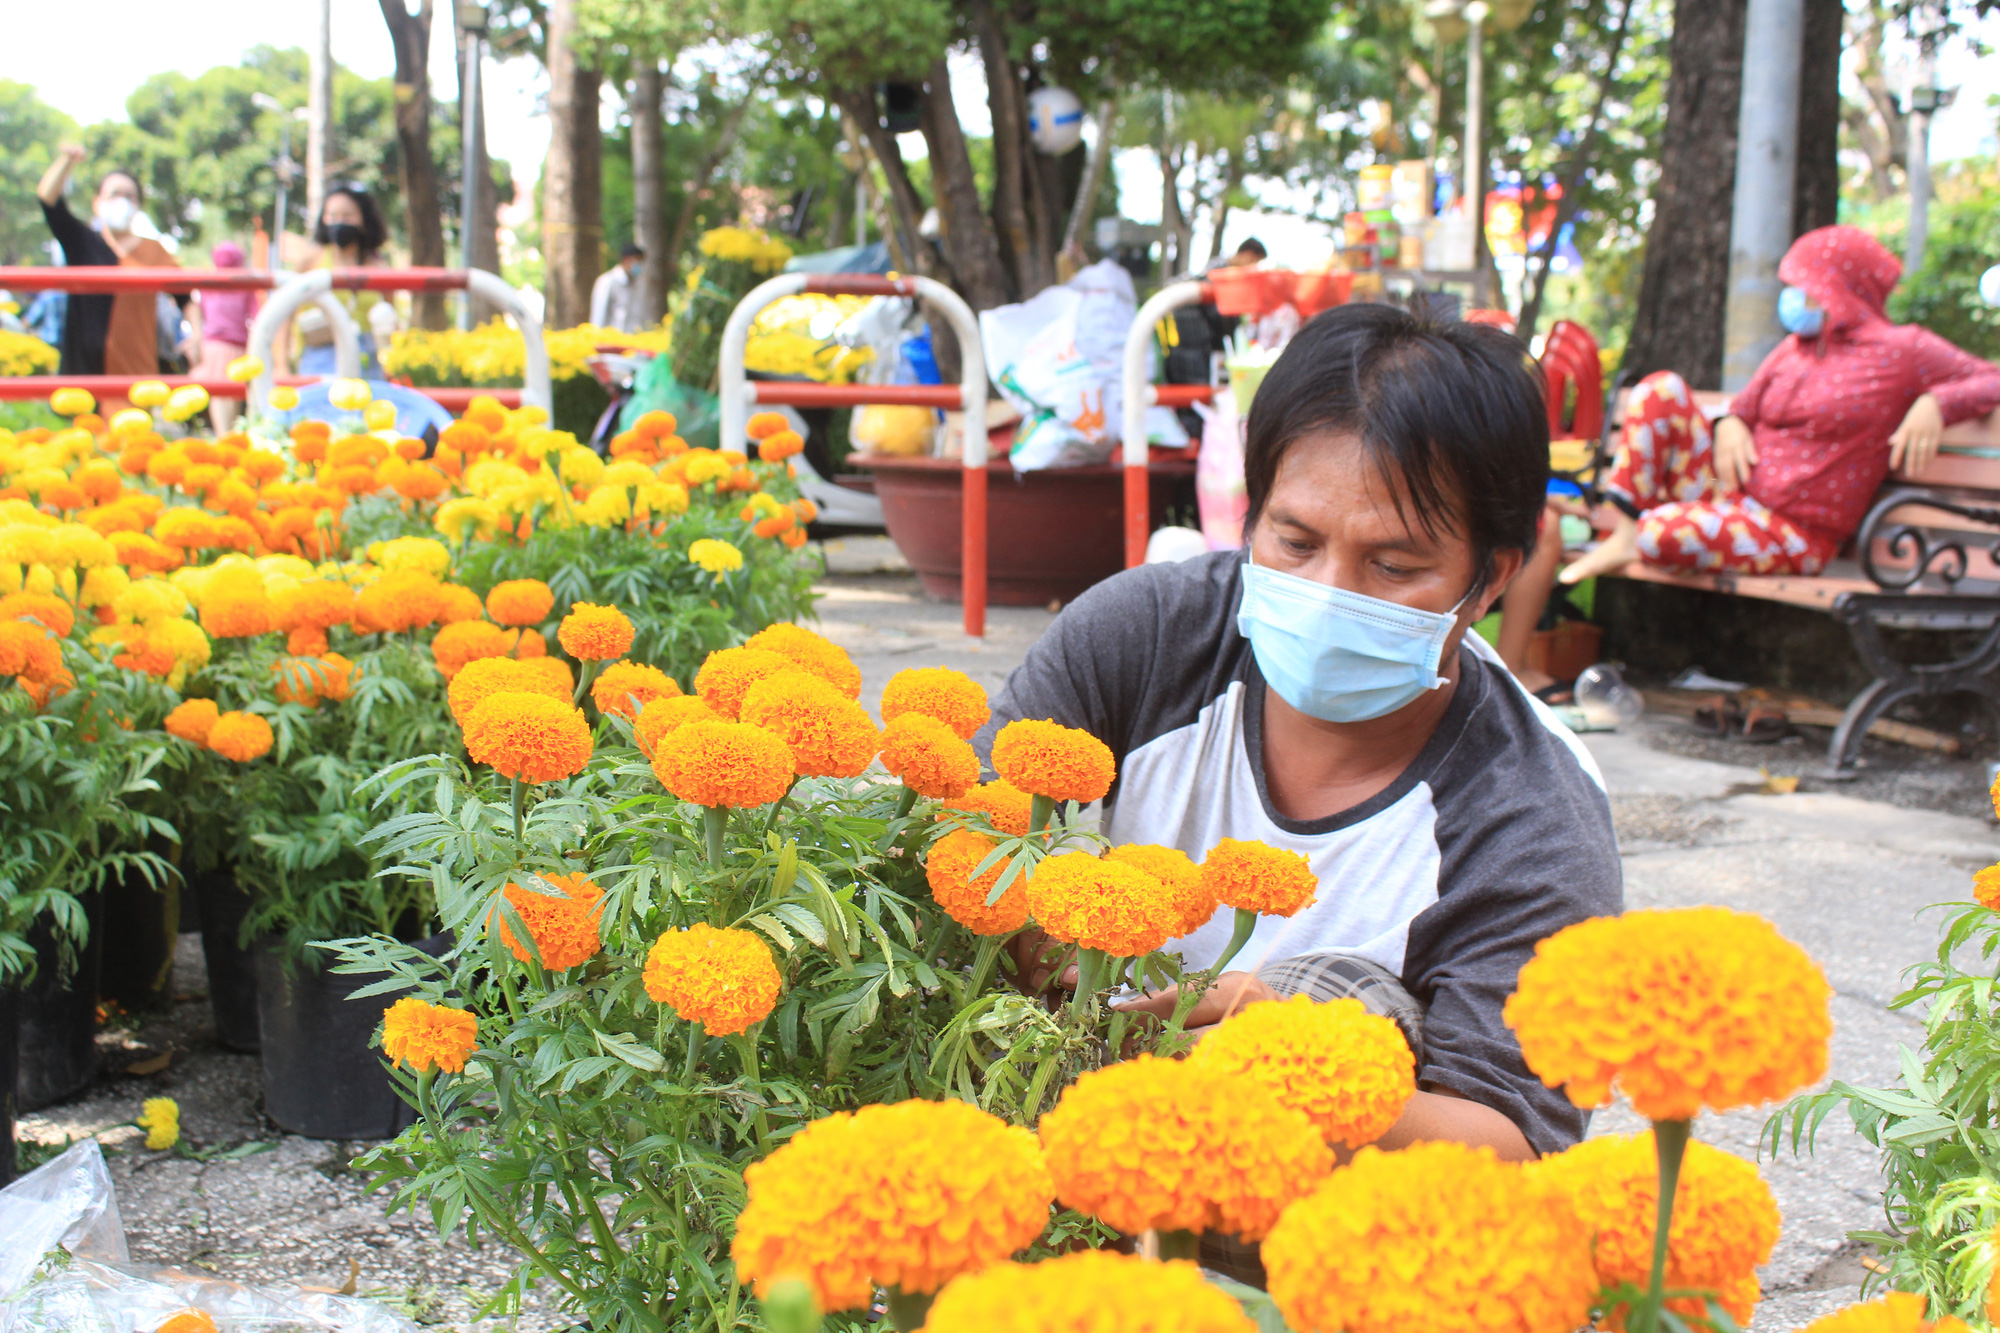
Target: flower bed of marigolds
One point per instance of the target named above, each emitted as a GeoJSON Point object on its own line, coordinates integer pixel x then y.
{"type": "Point", "coordinates": [718, 1027]}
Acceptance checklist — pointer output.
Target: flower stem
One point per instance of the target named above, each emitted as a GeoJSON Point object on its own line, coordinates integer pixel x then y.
{"type": "Point", "coordinates": [908, 1310]}
{"type": "Point", "coordinates": [1670, 1140]}
{"type": "Point", "coordinates": [746, 1046]}
{"type": "Point", "coordinates": [714, 819]}
{"type": "Point", "coordinates": [1246, 922]}
{"type": "Point", "coordinates": [695, 1034]}
{"type": "Point", "coordinates": [1090, 964]}
{"type": "Point", "coordinates": [983, 962]}
{"type": "Point", "coordinates": [1041, 809]}
{"type": "Point", "coordinates": [583, 679]}
{"type": "Point", "coordinates": [906, 802]}
{"type": "Point", "coordinates": [520, 799]}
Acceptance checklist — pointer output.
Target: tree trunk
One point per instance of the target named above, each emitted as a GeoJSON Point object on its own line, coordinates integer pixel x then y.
{"type": "Point", "coordinates": [480, 213]}
{"type": "Point", "coordinates": [1030, 260]}
{"type": "Point", "coordinates": [906, 210]}
{"type": "Point", "coordinates": [649, 212]}
{"type": "Point", "coordinates": [968, 238]}
{"type": "Point", "coordinates": [416, 173]}
{"type": "Point", "coordinates": [1173, 222]}
{"type": "Point", "coordinates": [572, 177]}
{"type": "Point", "coordinates": [1816, 178]}
{"type": "Point", "coordinates": [1232, 177]}
{"type": "Point", "coordinates": [1678, 325]}
{"type": "Point", "coordinates": [1085, 205]}
{"type": "Point", "coordinates": [1878, 123]}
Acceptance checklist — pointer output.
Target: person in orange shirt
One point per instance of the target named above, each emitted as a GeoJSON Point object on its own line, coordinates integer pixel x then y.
{"type": "Point", "coordinates": [104, 335]}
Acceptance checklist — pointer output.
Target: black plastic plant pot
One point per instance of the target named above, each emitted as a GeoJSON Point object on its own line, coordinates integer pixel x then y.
{"type": "Point", "coordinates": [232, 970]}
{"type": "Point", "coordinates": [323, 1078]}
{"type": "Point", "coordinates": [10, 1052]}
{"type": "Point", "coordinates": [57, 1056]}
{"type": "Point", "coordinates": [141, 925]}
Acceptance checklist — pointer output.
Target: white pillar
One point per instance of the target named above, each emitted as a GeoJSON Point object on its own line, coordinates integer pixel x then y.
{"type": "Point", "coordinates": [1923, 101]}
{"type": "Point", "coordinates": [319, 114]}
{"type": "Point", "coordinates": [1475, 145]}
{"type": "Point", "coordinates": [1767, 154]}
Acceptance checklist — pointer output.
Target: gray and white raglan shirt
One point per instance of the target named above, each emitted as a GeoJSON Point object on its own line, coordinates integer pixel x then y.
{"type": "Point", "coordinates": [1496, 836]}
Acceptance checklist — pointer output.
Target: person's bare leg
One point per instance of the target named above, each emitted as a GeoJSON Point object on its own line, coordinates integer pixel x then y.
{"type": "Point", "coordinates": [1521, 605]}
{"type": "Point", "coordinates": [1616, 551]}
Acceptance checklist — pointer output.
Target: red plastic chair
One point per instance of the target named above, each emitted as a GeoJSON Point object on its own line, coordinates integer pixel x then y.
{"type": "Point", "coordinates": [1569, 360]}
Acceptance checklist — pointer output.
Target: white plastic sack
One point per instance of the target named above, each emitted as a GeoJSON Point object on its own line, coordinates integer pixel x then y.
{"type": "Point", "coordinates": [1219, 493]}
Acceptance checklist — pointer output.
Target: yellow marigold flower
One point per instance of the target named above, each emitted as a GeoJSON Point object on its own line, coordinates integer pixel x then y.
{"type": "Point", "coordinates": [1097, 904]}
{"type": "Point", "coordinates": [812, 653]}
{"type": "Point", "coordinates": [722, 979]}
{"type": "Point", "coordinates": [185, 402]}
{"type": "Point", "coordinates": [948, 867]}
{"type": "Point", "coordinates": [528, 736]}
{"type": "Point", "coordinates": [1986, 887]}
{"type": "Point", "coordinates": [727, 674]}
{"type": "Point", "coordinates": [71, 402]}
{"type": "Point", "coordinates": [1049, 759]}
{"type": "Point", "coordinates": [160, 1117]}
{"type": "Point", "coordinates": [1695, 1008]}
{"type": "Point", "coordinates": [952, 697]}
{"type": "Point", "coordinates": [665, 714]}
{"type": "Point", "coordinates": [1257, 877]}
{"type": "Point", "coordinates": [421, 1035]}
{"type": "Point", "coordinates": [520, 602]}
{"type": "Point", "coordinates": [349, 395]}
{"type": "Point", "coordinates": [1171, 867]}
{"type": "Point", "coordinates": [929, 757]}
{"type": "Point", "coordinates": [466, 641]}
{"type": "Point", "coordinates": [468, 516]}
{"type": "Point", "coordinates": [1898, 1312]}
{"type": "Point", "coordinates": [1725, 1218]}
{"type": "Point", "coordinates": [236, 614]}
{"type": "Point", "coordinates": [244, 369]}
{"type": "Point", "coordinates": [723, 763]}
{"type": "Point", "coordinates": [283, 398]}
{"type": "Point", "coordinates": [1438, 1236]}
{"type": "Point", "coordinates": [1007, 808]}
{"type": "Point", "coordinates": [908, 1195]}
{"type": "Point", "coordinates": [715, 556]}
{"type": "Point", "coordinates": [592, 633]}
{"type": "Point", "coordinates": [1087, 1291]}
{"type": "Point", "coordinates": [625, 688]}
{"type": "Point", "coordinates": [423, 554]}
{"type": "Point", "coordinates": [564, 928]}
{"type": "Point", "coordinates": [1164, 1144]}
{"type": "Point", "coordinates": [829, 735]}
{"type": "Point", "coordinates": [379, 415]}
{"type": "Point", "coordinates": [149, 393]}
{"type": "Point", "coordinates": [1350, 1071]}
{"type": "Point", "coordinates": [241, 737]}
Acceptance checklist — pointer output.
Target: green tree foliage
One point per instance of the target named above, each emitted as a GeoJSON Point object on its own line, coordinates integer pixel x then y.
{"type": "Point", "coordinates": [30, 131]}
{"type": "Point", "coordinates": [1963, 242]}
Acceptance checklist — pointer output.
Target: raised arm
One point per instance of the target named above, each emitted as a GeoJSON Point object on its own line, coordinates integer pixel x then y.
{"type": "Point", "coordinates": [50, 188]}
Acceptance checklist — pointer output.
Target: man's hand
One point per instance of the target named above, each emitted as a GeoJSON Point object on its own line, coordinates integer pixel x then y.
{"type": "Point", "coordinates": [1032, 970]}
{"type": "Point", "coordinates": [1735, 453]}
{"type": "Point", "coordinates": [1915, 442]}
{"type": "Point", "coordinates": [1230, 993]}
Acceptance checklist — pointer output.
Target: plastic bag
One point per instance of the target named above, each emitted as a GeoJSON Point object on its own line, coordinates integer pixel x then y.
{"type": "Point", "coordinates": [64, 1268]}
{"type": "Point", "coordinates": [900, 432]}
{"type": "Point", "coordinates": [697, 412]}
{"type": "Point", "coordinates": [1219, 493]}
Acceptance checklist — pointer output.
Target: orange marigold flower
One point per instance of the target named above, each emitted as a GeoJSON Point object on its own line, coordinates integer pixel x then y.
{"type": "Point", "coordinates": [484, 677]}
{"type": "Point", "coordinates": [1006, 807]}
{"type": "Point", "coordinates": [728, 673]}
{"type": "Point", "coordinates": [421, 1035]}
{"type": "Point", "coordinates": [1986, 887]}
{"type": "Point", "coordinates": [929, 757]}
{"type": "Point", "coordinates": [1049, 759]}
{"type": "Point", "coordinates": [658, 424]}
{"type": "Point", "coordinates": [1725, 1218]}
{"type": "Point", "coordinates": [420, 481]}
{"type": "Point", "coordinates": [318, 604]}
{"type": "Point", "coordinates": [1417, 1235]}
{"type": "Point", "coordinates": [528, 736]}
{"type": "Point", "coordinates": [1167, 1145]}
{"type": "Point", "coordinates": [761, 426]}
{"type": "Point", "coordinates": [794, 539]}
{"type": "Point", "coordinates": [466, 641]}
{"type": "Point", "coordinates": [811, 652]}
{"type": "Point", "coordinates": [307, 680]}
{"type": "Point", "coordinates": [51, 612]}
{"type": "Point", "coordinates": [467, 437]}
{"type": "Point", "coordinates": [192, 720]}
{"type": "Point", "coordinates": [780, 446]}
{"type": "Point", "coordinates": [722, 979]}
{"type": "Point", "coordinates": [1350, 1071]}
{"type": "Point", "coordinates": [1257, 877]}
{"type": "Point", "coordinates": [663, 715]}
{"type": "Point", "coordinates": [1087, 1291]}
{"type": "Point", "coordinates": [908, 1195]}
{"type": "Point", "coordinates": [952, 697]}
{"type": "Point", "coordinates": [28, 650]}
{"type": "Point", "coordinates": [236, 613]}
{"type": "Point", "coordinates": [241, 737]}
{"type": "Point", "coordinates": [1695, 1008]}
{"type": "Point", "coordinates": [527, 643]}
{"type": "Point", "coordinates": [625, 688]}
{"type": "Point", "coordinates": [356, 451]}
{"type": "Point", "coordinates": [44, 688]}
{"type": "Point", "coordinates": [592, 633]}
{"type": "Point", "coordinates": [723, 763]}
{"type": "Point", "coordinates": [520, 602]}
{"type": "Point", "coordinates": [1897, 1312]}
{"type": "Point", "coordinates": [402, 599]}
{"type": "Point", "coordinates": [564, 926]}
{"type": "Point", "coordinates": [148, 656]}
{"type": "Point", "coordinates": [948, 867]}
{"type": "Point", "coordinates": [460, 604]}
{"type": "Point", "coordinates": [1097, 904]}
{"type": "Point", "coordinates": [829, 735]}
{"type": "Point", "coordinates": [1182, 877]}
{"type": "Point", "coordinates": [306, 642]}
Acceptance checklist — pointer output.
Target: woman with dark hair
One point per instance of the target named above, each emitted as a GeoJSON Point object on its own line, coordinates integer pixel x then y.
{"type": "Point", "coordinates": [1318, 691]}
{"type": "Point", "coordinates": [350, 233]}
{"type": "Point", "coordinates": [105, 335]}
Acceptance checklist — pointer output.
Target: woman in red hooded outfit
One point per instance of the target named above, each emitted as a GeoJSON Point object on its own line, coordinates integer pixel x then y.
{"type": "Point", "coordinates": [1782, 481]}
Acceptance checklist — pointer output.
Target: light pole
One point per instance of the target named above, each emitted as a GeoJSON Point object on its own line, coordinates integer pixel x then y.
{"type": "Point", "coordinates": [1475, 115]}
{"type": "Point", "coordinates": [266, 102]}
{"type": "Point", "coordinates": [1925, 99]}
{"type": "Point", "coordinates": [472, 21]}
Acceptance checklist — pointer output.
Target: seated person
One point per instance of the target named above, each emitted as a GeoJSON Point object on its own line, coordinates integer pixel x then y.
{"type": "Point", "coordinates": [1779, 484]}
{"type": "Point", "coordinates": [1318, 691]}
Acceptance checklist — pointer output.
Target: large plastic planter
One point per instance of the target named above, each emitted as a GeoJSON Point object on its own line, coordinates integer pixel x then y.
{"type": "Point", "coordinates": [1050, 534]}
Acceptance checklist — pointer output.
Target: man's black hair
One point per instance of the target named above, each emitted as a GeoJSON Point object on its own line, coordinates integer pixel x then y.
{"type": "Point", "coordinates": [1453, 411]}
{"type": "Point", "coordinates": [1255, 247]}
{"type": "Point", "coordinates": [632, 250]}
{"type": "Point", "coordinates": [374, 232]}
{"type": "Point", "coordinates": [138, 186]}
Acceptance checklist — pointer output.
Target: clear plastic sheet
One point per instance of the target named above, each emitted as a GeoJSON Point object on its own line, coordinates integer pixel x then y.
{"type": "Point", "coordinates": [64, 1268]}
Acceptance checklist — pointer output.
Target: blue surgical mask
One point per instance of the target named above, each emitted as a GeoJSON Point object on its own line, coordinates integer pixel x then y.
{"type": "Point", "coordinates": [1336, 655]}
{"type": "Point", "coordinates": [1796, 315]}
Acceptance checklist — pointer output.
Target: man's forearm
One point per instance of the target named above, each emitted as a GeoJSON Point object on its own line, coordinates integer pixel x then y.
{"type": "Point", "coordinates": [1443, 1116]}
{"type": "Point", "coordinates": [50, 187]}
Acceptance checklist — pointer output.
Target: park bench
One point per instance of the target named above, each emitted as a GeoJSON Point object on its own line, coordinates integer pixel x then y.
{"type": "Point", "coordinates": [1926, 557]}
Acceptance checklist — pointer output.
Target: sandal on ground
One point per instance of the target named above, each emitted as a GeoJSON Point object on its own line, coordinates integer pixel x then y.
{"type": "Point", "coordinates": [1720, 716]}
{"type": "Point", "coordinates": [1557, 692]}
{"type": "Point", "coordinates": [1765, 724]}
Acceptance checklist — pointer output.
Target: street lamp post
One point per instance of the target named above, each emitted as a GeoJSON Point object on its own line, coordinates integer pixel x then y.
{"type": "Point", "coordinates": [1475, 151]}
{"type": "Point", "coordinates": [472, 21]}
{"type": "Point", "coordinates": [266, 102]}
{"type": "Point", "coordinates": [1925, 100]}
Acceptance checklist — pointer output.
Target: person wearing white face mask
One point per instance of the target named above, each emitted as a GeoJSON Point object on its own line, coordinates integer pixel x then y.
{"type": "Point", "coordinates": [104, 335]}
{"type": "Point", "coordinates": [1319, 691]}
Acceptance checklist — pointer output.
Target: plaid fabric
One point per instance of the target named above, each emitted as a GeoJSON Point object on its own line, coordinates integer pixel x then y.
{"type": "Point", "coordinates": [1325, 977]}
